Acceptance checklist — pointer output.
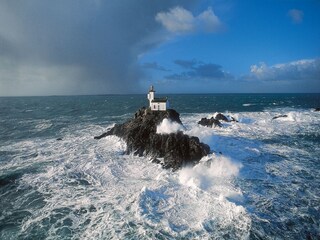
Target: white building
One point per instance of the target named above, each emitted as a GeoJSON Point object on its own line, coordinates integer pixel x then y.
{"type": "Point", "coordinates": [157, 104]}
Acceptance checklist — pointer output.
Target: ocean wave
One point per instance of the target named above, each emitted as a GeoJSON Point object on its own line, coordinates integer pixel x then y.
{"type": "Point", "coordinates": [82, 188]}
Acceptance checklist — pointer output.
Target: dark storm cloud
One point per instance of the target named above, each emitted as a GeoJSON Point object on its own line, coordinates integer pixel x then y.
{"type": "Point", "coordinates": [76, 46]}
{"type": "Point", "coordinates": [199, 70]}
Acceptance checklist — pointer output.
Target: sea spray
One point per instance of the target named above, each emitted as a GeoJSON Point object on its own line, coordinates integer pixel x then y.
{"type": "Point", "coordinates": [167, 126]}
{"type": "Point", "coordinates": [212, 170]}
{"type": "Point", "coordinates": [80, 188]}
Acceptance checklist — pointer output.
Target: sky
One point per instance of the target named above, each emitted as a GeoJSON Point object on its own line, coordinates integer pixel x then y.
{"type": "Point", "coordinates": [75, 47]}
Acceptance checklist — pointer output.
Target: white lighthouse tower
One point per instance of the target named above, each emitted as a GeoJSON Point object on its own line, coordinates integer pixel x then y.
{"type": "Point", "coordinates": [157, 104]}
{"type": "Point", "coordinates": [151, 95]}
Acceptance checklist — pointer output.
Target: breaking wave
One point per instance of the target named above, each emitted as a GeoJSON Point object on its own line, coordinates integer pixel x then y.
{"type": "Point", "coordinates": [167, 126]}
{"type": "Point", "coordinates": [80, 188]}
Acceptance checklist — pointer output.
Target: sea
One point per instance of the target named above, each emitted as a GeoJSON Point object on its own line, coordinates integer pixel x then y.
{"type": "Point", "coordinates": [260, 181]}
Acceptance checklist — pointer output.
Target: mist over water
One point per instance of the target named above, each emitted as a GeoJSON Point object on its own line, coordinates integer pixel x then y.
{"type": "Point", "coordinates": [260, 181]}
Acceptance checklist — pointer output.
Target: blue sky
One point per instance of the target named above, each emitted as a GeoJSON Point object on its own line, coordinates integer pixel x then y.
{"type": "Point", "coordinates": [261, 33]}
{"type": "Point", "coordinates": [180, 46]}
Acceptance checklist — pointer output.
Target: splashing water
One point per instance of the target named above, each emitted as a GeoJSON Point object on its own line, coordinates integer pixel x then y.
{"type": "Point", "coordinates": [261, 180]}
{"type": "Point", "coordinates": [167, 126]}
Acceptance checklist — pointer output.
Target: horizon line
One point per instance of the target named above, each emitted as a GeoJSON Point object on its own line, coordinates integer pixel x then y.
{"type": "Point", "coordinates": [124, 94]}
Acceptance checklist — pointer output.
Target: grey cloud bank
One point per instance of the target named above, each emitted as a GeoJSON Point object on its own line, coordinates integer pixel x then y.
{"type": "Point", "coordinates": [76, 47]}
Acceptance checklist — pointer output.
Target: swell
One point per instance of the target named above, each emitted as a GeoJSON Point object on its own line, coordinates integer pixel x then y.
{"type": "Point", "coordinates": [260, 181]}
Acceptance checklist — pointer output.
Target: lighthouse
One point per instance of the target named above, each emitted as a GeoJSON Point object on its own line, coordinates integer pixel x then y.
{"type": "Point", "coordinates": [157, 104]}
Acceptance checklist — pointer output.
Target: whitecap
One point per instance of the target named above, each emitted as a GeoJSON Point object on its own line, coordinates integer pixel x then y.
{"type": "Point", "coordinates": [102, 193]}
{"type": "Point", "coordinates": [248, 104]}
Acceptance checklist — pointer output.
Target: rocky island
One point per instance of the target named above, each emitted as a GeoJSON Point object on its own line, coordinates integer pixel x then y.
{"type": "Point", "coordinates": [140, 133]}
{"type": "Point", "coordinates": [172, 150]}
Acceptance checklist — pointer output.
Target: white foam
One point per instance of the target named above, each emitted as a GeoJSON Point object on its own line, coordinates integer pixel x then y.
{"type": "Point", "coordinates": [43, 124]}
{"type": "Point", "coordinates": [199, 204]}
{"type": "Point", "coordinates": [133, 197]}
{"type": "Point", "coordinates": [211, 171]}
{"type": "Point", "coordinates": [128, 194]}
{"type": "Point", "coordinates": [248, 104]}
{"type": "Point", "coordinates": [167, 126]}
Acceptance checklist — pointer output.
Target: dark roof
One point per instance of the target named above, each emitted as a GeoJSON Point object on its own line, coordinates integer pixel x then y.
{"type": "Point", "coordinates": [160, 100]}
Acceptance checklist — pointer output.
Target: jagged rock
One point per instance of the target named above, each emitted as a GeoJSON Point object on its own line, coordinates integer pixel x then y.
{"type": "Point", "coordinates": [317, 109]}
{"type": "Point", "coordinates": [221, 117]}
{"type": "Point", "coordinates": [102, 135]}
{"type": "Point", "coordinates": [140, 134]}
{"type": "Point", "coordinates": [210, 122]}
{"type": "Point", "coordinates": [215, 121]}
{"type": "Point", "coordinates": [280, 116]}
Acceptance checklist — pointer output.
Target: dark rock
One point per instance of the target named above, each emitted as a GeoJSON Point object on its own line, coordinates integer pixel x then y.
{"type": "Point", "coordinates": [317, 109]}
{"type": "Point", "coordinates": [221, 117]}
{"type": "Point", "coordinates": [102, 135]}
{"type": "Point", "coordinates": [59, 139]}
{"type": "Point", "coordinates": [177, 149]}
{"type": "Point", "coordinates": [280, 116]}
{"type": "Point", "coordinates": [215, 121]}
{"type": "Point", "coordinates": [209, 122]}
{"type": "Point", "coordinates": [156, 160]}
{"type": "Point", "coordinates": [233, 119]}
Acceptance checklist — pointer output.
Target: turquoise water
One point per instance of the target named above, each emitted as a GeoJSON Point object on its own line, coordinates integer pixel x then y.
{"type": "Point", "coordinates": [260, 182]}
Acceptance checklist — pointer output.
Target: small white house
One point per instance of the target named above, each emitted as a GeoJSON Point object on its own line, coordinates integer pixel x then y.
{"type": "Point", "coordinates": [157, 104]}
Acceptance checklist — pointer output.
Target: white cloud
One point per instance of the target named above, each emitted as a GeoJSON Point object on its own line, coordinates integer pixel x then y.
{"type": "Point", "coordinates": [209, 21]}
{"type": "Point", "coordinates": [180, 20]}
{"type": "Point", "coordinates": [296, 15]}
{"type": "Point", "coordinates": [306, 69]}
{"type": "Point", "coordinates": [177, 19]}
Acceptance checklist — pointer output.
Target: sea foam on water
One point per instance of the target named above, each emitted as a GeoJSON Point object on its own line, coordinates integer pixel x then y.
{"type": "Point", "coordinates": [80, 188]}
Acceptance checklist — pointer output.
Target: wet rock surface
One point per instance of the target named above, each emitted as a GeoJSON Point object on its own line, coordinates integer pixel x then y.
{"type": "Point", "coordinates": [280, 116]}
{"type": "Point", "coordinates": [216, 121]}
{"type": "Point", "coordinates": [210, 122]}
{"type": "Point", "coordinates": [140, 134]}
